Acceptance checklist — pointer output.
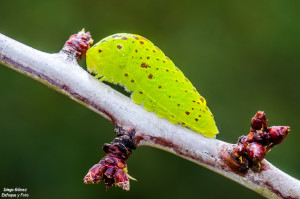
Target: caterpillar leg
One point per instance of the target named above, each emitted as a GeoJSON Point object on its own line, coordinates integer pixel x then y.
{"type": "Point", "coordinates": [139, 97]}
{"type": "Point", "coordinates": [172, 119]}
{"type": "Point", "coordinates": [149, 105]}
{"type": "Point", "coordinates": [161, 112]}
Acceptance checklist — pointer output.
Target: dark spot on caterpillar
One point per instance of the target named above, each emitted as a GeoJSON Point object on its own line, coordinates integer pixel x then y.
{"type": "Point", "coordinates": [132, 81]}
{"type": "Point", "coordinates": [194, 101]}
{"type": "Point", "coordinates": [141, 42]}
{"type": "Point", "coordinates": [203, 111]}
{"type": "Point", "coordinates": [172, 115]}
{"type": "Point", "coordinates": [159, 87]}
{"type": "Point", "coordinates": [199, 115]}
{"type": "Point", "coordinates": [148, 57]}
{"type": "Point", "coordinates": [198, 103]}
{"type": "Point", "coordinates": [185, 91]}
{"type": "Point", "coordinates": [124, 38]}
{"type": "Point", "coordinates": [144, 65]}
{"type": "Point", "coordinates": [186, 79]}
{"type": "Point", "coordinates": [132, 41]}
{"type": "Point", "coordinates": [169, 96]}
{"type": "Point", "coordinates": [183, 123]}
{"type": "Point", "coordinates": [136, 50]}
{"type": "Point", "coordinates": [132, 57]}
{"type": "Point", "coordinates": [154, 51]}
{"type": "Point", "coordinates": [192, 108]}
{"type": "Point", "coordinates": [141, 92]}
{"type": "Point", "coordinates": [119, 46]}
{"type": "Point", "coordinates": [156, 68]}
{"type": "Point", "coordinates": [135, 37]}
{"type": "Point", "coordinates": [126, 75]}
{"type": "Point", "coordinates": [147, 49]}
{"type": "Point", "coordinates": [99, 51]}
{"type": "Point", "coordinates": [167, 70]}
{"type": "Point", "coordinates": [176, 80]}
{"type": "Point", "coordinates": [157, 59]}
{"type": "Point", "coordinates": [150, 76]}
{"type": "Point", "coordinates": [196, 119]}
{"type": "Point", "coordinates": [140, 57]}
{"type": "Point", "coordinates": [164, 61]}
{"type": "Point", "coordinates": [186, 112]}
{"type": "Point", "coordinates": [178, 104]}
{"type": "Point", "coordinates": [202, 100]}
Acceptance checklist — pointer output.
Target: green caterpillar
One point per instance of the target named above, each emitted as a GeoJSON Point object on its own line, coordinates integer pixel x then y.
{"type": "Point", "coordinates": [142, 68]}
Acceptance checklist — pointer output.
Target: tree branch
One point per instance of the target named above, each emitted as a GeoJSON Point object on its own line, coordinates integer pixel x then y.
{"type": "Point", "coordinates": [61, 72]}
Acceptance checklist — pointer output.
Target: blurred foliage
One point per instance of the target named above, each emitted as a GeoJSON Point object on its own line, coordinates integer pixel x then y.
{"type": "Point", "coordinates": [241, 56]}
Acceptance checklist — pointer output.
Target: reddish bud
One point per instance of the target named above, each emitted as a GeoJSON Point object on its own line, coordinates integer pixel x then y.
{"type": "Point", "coordinates": [255, 152]}
{"type": "Point", "coordinates": [240, 150]}
{"type": "Point", "coordinates": [95, 174]}
{"type": "Point", "coordinates": [252, 149]}
{"type": "Point", "coordinates": [78, 44]}
{"type": "Point", "coordinates": [258, 136]}
{"type": "Point", "coordinates": [112, 168]}
{"type": "Point", "coordinates": [121, 179]}
{"type": "Point", "coordinates": [109, 173]}
{"type": "Point", "coordinates": [278, 133]}
{"type": "Point", "coordinates": [259, 121]}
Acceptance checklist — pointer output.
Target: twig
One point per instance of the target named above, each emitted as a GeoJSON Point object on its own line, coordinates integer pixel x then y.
{"type": "Point", "coordinates": [61, 72]}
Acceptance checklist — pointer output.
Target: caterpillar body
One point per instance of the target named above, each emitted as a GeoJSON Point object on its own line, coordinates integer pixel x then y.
{"type": "Point", "coordinates": [155, 82]}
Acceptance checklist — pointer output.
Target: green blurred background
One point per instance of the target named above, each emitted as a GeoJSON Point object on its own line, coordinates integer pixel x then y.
{"type": "Point", "coordinates": [242, 57]}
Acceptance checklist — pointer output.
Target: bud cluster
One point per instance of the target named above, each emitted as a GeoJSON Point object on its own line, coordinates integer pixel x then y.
{"type": "Point", "coordinates": [112, 169]}
{"type": "Point", "coordinates": [252, 149]}
{"type": "Point", "coordinates": [78, 44]}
